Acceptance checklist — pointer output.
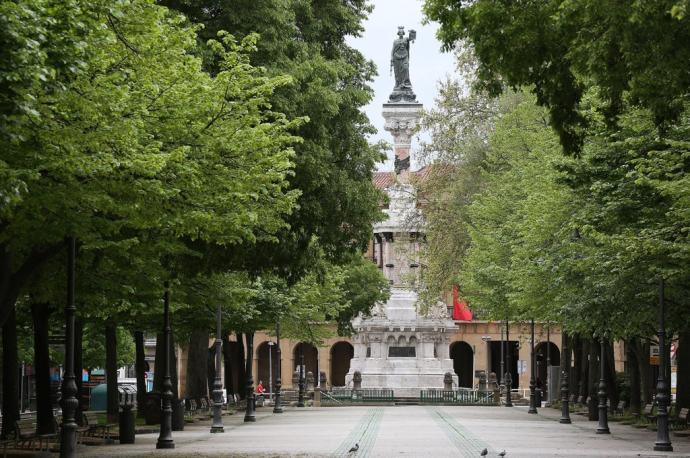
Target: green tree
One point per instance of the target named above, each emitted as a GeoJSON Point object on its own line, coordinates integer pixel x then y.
{"type": "Point", "coordinates": [630, 51]}
{"type": "Point", "coordinates": [334, 163]}
{"type": "Point", "coordinates": [144, 146]}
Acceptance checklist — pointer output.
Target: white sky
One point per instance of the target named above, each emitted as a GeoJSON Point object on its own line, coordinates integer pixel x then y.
{"type": "Point", "coordinates": [428, 64]}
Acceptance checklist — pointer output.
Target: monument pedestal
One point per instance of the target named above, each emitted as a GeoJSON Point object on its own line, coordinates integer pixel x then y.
{"type": "Point", "coordinates": [399, 349]}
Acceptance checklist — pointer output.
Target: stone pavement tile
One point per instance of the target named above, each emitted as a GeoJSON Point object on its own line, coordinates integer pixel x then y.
{"type": "Point", "coordinates": [525, 435]}
{"type": "Point", "coordinates": [305, 432]}
{"type": "Point", "coordinates": [411, 431]}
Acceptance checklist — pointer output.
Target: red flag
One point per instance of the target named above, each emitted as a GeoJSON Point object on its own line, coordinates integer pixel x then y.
{"type": "Point", "coordinates": [460, 310]}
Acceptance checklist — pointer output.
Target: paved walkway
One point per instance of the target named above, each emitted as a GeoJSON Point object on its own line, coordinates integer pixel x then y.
{"type": "Point", "coordinates": [412, 431]}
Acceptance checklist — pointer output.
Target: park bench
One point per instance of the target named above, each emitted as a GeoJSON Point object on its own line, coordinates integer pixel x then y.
{"type": "Point", "coordinates": [93, 428]}
{"type": "Point", "coordinates": [681, 421]}
{"type": "Point", "coordinates": [26, 436]}
{"type": "Point", "coordinates": [620, 408]}
{"type": "Point", "coordinates": [648, 413]}
{"type": "Point", "coordinates": [205, 405]}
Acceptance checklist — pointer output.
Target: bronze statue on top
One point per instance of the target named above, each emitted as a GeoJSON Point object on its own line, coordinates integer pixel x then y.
{"type": "Point", "coordinates": [400, 64]}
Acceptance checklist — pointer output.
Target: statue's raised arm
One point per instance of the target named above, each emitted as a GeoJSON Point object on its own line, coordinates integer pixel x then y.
{"type": "Point", "coordinates": [400, 62]}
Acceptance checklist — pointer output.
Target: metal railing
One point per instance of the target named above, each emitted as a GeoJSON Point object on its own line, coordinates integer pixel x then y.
{"type": "Point", "coordinates": [457, 397]}
{"type": "Point", "coordinates": [340, 396]}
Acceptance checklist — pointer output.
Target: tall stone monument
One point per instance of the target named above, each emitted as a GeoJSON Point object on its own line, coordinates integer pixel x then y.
{"type": "Point", "coordinates": [398, 347]}
{"type": "Point", "coordinates": [402, 112]}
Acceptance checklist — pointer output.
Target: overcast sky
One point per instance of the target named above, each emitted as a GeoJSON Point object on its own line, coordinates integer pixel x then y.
{"type": "Point", "coordinates": [428, 64]}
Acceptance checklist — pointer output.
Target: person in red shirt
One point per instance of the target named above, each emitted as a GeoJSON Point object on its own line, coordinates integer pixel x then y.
{"type": "Point", "coordinates": [260, 390]}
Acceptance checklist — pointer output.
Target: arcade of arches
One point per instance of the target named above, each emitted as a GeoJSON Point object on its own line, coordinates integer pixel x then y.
{"type": "Point", "coordinates": [474, 346]}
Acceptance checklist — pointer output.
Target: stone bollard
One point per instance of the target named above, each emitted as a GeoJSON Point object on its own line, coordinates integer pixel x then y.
{"type": "Point", "coordinates": [152, 409]}
{"type": "Point", "coordinates": [357, 380]}
{"type": "Point", "coordinates": [322, 380]}
{"type": "Point", "coordinates": [178, 415]}
{"type": "Point", "coordinates": [448, 381]}
{"type": "Point", "coordinates": [127, 422]}
{"type": "Point", "coordinates": [295, 378]}
{"type": "Point", "coordinates": [310, 381]}
{"type": "Point", "coordinates": [317, 397]}
{"type": "Point", "coordinates": [482, 381]}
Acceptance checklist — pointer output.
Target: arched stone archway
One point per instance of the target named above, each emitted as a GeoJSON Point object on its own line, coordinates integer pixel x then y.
{"type": "Point", "coordinates": [263, 374]}
{"type": "Point", "coordinates": [341, 354]}
{"type": "Point", "coordinates": [463, 362]}
{"type": "Point", "coordinates": [540, 354]}
{"type": "Point", "coordinates": [311, 358]}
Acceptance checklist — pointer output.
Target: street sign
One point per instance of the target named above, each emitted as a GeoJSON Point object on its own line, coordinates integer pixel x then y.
{"type": "Point", "coordinates": [654, 355]}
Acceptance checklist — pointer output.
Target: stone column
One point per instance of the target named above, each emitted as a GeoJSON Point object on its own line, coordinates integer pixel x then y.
{"type": "Point", "coordinates": [401, 121]}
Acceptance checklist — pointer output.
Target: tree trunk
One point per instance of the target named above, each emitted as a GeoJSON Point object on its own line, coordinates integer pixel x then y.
{"type": "Point", "coordinates": [645, 372]}
{"type": "Point", "coordinates": [249, 360]}
{"type": "Point", "coordinates": [196, 385]}
{"type": "Point", "coordinates": [160, 358]}
{"type": "Point", "coordinates": [140, 369]}
{"type": "Point", "coordinates": [242, 376]}
{"type": "Point", "coordinates": [683, 362]}
{"type": "Point", "coordinates": [227, 363]}
{"type": "Point", "coordinates": [158, 373]}
{"type": "Point", "coordinates": [10, 375]}
{"type": "Point", "coordinates": [79, 366]}
{"type": "Point", "coordinates": [113, 398]}
{"type": "Point", "coordinates": [593, 380]}
{"type": "Point", "coordinates": [584, 375]}
{"type": "Point", "coordinates": [576, 368]}
{"type": "Point", "coordinates": [211, 368]}
{"type": "Point", "coordinates": [40, 314]}
{"type": "Point", "coordinates": [611, 379]}
{"type": "Point", "coordinates": [173, 368]}
{"type": "Point", "coordinates": [633, 370]}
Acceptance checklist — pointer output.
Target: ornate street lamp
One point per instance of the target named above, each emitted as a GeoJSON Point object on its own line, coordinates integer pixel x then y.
{"type": "Point", "coordinates": [565, 367]}
{"type": "Point", "coordinates": [165, 439]}
{"type": "Point", "coordinates": [217, 426]}
{"type": "Point", "coordinates": [302, 381]}
{"type": "Point", "coordinates": [277, 406]}
{"type": "Point", "coordinates": [603, 426]}
{"type": "Point", "coordinates": [68, 445]}
{"type": "Point", "coordinates": [509, 375]}
{"type": "Point", "coordinates": [532, 379]}
{"type": "Point", "coordinates": [250, 411]}
{"type": "Point", "coordinates": [663, 442]}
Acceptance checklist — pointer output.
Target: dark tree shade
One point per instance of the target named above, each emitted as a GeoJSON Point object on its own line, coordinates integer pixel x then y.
{"type": "Point", "coordinates": [40, 313]}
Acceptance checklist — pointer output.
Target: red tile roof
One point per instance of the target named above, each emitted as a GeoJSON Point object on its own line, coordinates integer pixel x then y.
{"type": "Point", "coordinates": [382, 180]}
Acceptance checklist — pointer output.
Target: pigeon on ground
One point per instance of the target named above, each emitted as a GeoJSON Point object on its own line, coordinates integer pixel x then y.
{"type": "Point", "coordinates": [353, 448]}
{"type": "Point", "coordinates": [484, 452]}
{"type": "Point", "coordinates": [503, 453]}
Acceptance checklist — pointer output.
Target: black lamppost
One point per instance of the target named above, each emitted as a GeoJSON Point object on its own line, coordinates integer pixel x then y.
{"type": "Point", "coordinates": [277, 406]}
{"type": "Point", "coordinates": [603, 426]}
{"type": "Point", "coordinates": [165, 439]}
{"type": "Point", "coordinates": [565, 367]}
{"type": "Point", "coordinates": [532, 379]}
{"type": "Point", "coordinates": [302, 381]}
{"type": "Point", "coordinates": [509, 375]}
{"type": "Point", "coordinates": [69, 401]}
{"type": "Point", "coordinates": [217, 426]}
{"type": "Point", "coordinates": [663, 442]}
{"type": "Point", "coordinates": [250, 411]}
